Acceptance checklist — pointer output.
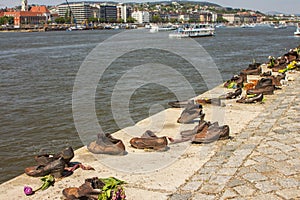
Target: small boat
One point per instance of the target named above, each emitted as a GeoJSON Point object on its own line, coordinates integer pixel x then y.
{"type": "Point", "coordinates": [280, 26]}
{"type": "Point", "coordinates": [297, 32]}
{"type": "Point", "coordinates": [196, 30]}
{"type": "Point", "coordinates": [248, 25]}
{"type": "Point", "coordinates": [220, 26]}
{"type": "Point", "coordinates": [162, 28]}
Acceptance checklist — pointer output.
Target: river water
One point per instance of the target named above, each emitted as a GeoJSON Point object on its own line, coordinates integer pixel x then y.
{"type": "Point", "coordinates": [38, 72]}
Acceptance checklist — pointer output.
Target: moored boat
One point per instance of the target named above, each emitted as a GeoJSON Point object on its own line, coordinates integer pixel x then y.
{"type": "Point", "coordinates": [196, 30]}
{"type": "Point", "coordinates": [297, 32]}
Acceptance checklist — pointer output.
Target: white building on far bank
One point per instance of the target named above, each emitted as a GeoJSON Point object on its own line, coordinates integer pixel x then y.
{"type": "Point", "coordinates": [141, 16]}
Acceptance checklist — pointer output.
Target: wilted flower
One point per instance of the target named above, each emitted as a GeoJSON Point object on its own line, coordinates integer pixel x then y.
{"type": "Point", "coordinates": [28, 190]}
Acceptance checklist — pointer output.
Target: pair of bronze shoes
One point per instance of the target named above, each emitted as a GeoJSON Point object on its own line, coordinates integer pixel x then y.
{"type": "Point", "coordinates": [107, 144]}
{"type": "Point", "coordinates": [253, 69]}
{"type": "Point", "coordinates": [150, 141]}
{"type": "Point", "coordinates": [211, 133]}
{"type": "Point", "coordinates": [89, 190]}
{"type": "Point", "coordinates": [253, 99]}
{"type": "Point", "coordinates": [205, 132]}
{"type": "Point", "coordinates": [51, 163]}
{"type": "Point", "coordinates": [264, 86]}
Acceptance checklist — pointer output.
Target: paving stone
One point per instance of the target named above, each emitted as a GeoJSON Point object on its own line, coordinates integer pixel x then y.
{"type": "Point", "coordinates": [219, 180]}
{"type": "Point", "coordinates": [250, 162]}
{"type": "Point", "coordinates": [234, 161]}
{"type": "Point", "coordinates": [245, 135]}
{"type": "Point", "coordinates": [180, 196]}
{"type": "Point", "coordinates": [263, 168]}
{"type": "Point", "coordinates": [289, 193]}
{"type": "Point", "coordinates": [289, 183]}
{"type": "Point", "coordinates": [282, 147]}
{"type": "Point", "coordinates": [203, 196]}
{"type": "Point", "coordinates": [266, 197]}
{"type": "Point", "coordinates": [211, 189]}
{"type": "Point", "coordinates": [261, 159]}
{"type": "Point", "coordinates": [235, 182]}
{"type": "Point", "coordinates": [254, 177]}
{"type": "Point", "coordinates": [242, 153]}
{"type": "Point", "coordinates": [287, 171]}
{"type": "Point", "coordinates": [293, 154]}
{"type": "Point", "coordinates": [228, 194]}
{"type": "Point", "coordinates": [279, 130]}
{"type": "Point", "coordinates": [294, 162]}
{"type": "Point", "coordinates": [266, 186]}
{"type": "Point", "coordinates": [201, 177]}
{"type": "Point", "coordinates": [192, 185]}
{"type": "Point", "coordinates": [244, 190]}
{"type": "Point", "coordinates": [279, 157]}
{"type": "Point", "coordinates": [214, 163]}
{"type": "Point", "coordinates": [245, 170]}
{"type": "Point", "coordinates": [268, 150]}
{"type": "Point", "coordinates": [227, 171]}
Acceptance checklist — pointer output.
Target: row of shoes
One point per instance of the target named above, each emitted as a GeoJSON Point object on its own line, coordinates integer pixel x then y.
{"type": "Point", "coordinates": [53, 164]}
{"type": "Point", "coordinates": [107, 144]}
{"type": "Point", "coordinates": [281, 63]}
{"type": "Point", "coordinates": [203, 132]}
{"type": "Point", "coordinates": [269, 82]}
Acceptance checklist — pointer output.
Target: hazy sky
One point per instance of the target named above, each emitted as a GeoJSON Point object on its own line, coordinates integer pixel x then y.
{"type": "Point", "coordinates": [285, 6]}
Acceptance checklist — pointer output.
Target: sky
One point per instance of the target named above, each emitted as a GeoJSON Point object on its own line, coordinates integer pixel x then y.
{"type": "Point", "coordinates": [284, 6]}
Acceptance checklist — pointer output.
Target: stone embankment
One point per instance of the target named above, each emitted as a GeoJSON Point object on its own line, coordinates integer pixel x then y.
{"type": "Point", "coordinates": [260, 161]}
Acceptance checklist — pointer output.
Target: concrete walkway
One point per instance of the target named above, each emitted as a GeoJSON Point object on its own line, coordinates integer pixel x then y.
{"type": "Point", "coordinates": [261, 161]}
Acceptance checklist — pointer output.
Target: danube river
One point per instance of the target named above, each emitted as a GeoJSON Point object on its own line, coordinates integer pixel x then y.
{"type": "Point", "coordinates": [38, 72]}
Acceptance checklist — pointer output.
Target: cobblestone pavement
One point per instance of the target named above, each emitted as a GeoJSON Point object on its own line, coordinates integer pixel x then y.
{"type": "Point", "coordinates": [260, 162]}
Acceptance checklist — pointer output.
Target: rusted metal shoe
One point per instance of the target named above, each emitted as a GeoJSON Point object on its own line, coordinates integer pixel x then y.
{"type": "Point", "coordinates": [150, 141]}
{"type": "Point", "coordinates": [56, 168]}
{"type": "Point", "coordinates": [232, 95]}
{"type": "Point", "coordinates": [254, 99]}
{"type": "Point", "coordinates": [106, 144]}
{"type": "Point", "coordinates": [212, 133]}
{"type": "Point", "coordinates": [180, 104]}
{"type": "Point", "coordinates": [89, 190]}
{"type": "Point", "coordinates": [266, 90]}
{"type": "Point", "coordinates": [191, 112]}
{"type": "Point", "coordinates": [67, 154]}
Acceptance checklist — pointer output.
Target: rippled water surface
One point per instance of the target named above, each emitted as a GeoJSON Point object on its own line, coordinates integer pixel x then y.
{"type": "Point", "coordinates": [38, 72]}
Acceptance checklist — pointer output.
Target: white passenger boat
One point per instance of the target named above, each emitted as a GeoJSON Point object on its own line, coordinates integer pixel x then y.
{"type": "Point", "coordinates": [297, 32]}
{"type": "Point", "coordinates": [196, 30]}
{"type": "Point", "coordinates": [162, 28]}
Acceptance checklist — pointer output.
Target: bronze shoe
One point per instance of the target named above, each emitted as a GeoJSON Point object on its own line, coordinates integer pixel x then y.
{"type": "Point", "coordinates": [150, 141]}
{"type": "Point", "coordinates": [256, 71]}
{"type": "Point", "coordinates": [190, 133]}
{"type": "Point", "coordinates": [256, 98]}
{"type": "Point", "coordinates": [211, 134]}
{"type": "Point", "coordinates": [191, 112]}
{"type": "Point", "coordinates": [232, 95]}
{"type": "Point", "coordinates": [212, 101]}
{"type": "Point", "coordinates": [106, 144]}
{"type": "Point", "coordinates": [66, 154]}
{"type": "Point", "coordinates": [264, 82]}
{"type": "Point", "coordinates": [238, 79]}
{"type": "Point", "coordinates": [266, 90]}
{"type": "Point", "coordinates": [55, 168]}
{"type": "Point", "coordinates": [89, 190]}
{"type": "Point", "coordinates": [180, 104]}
